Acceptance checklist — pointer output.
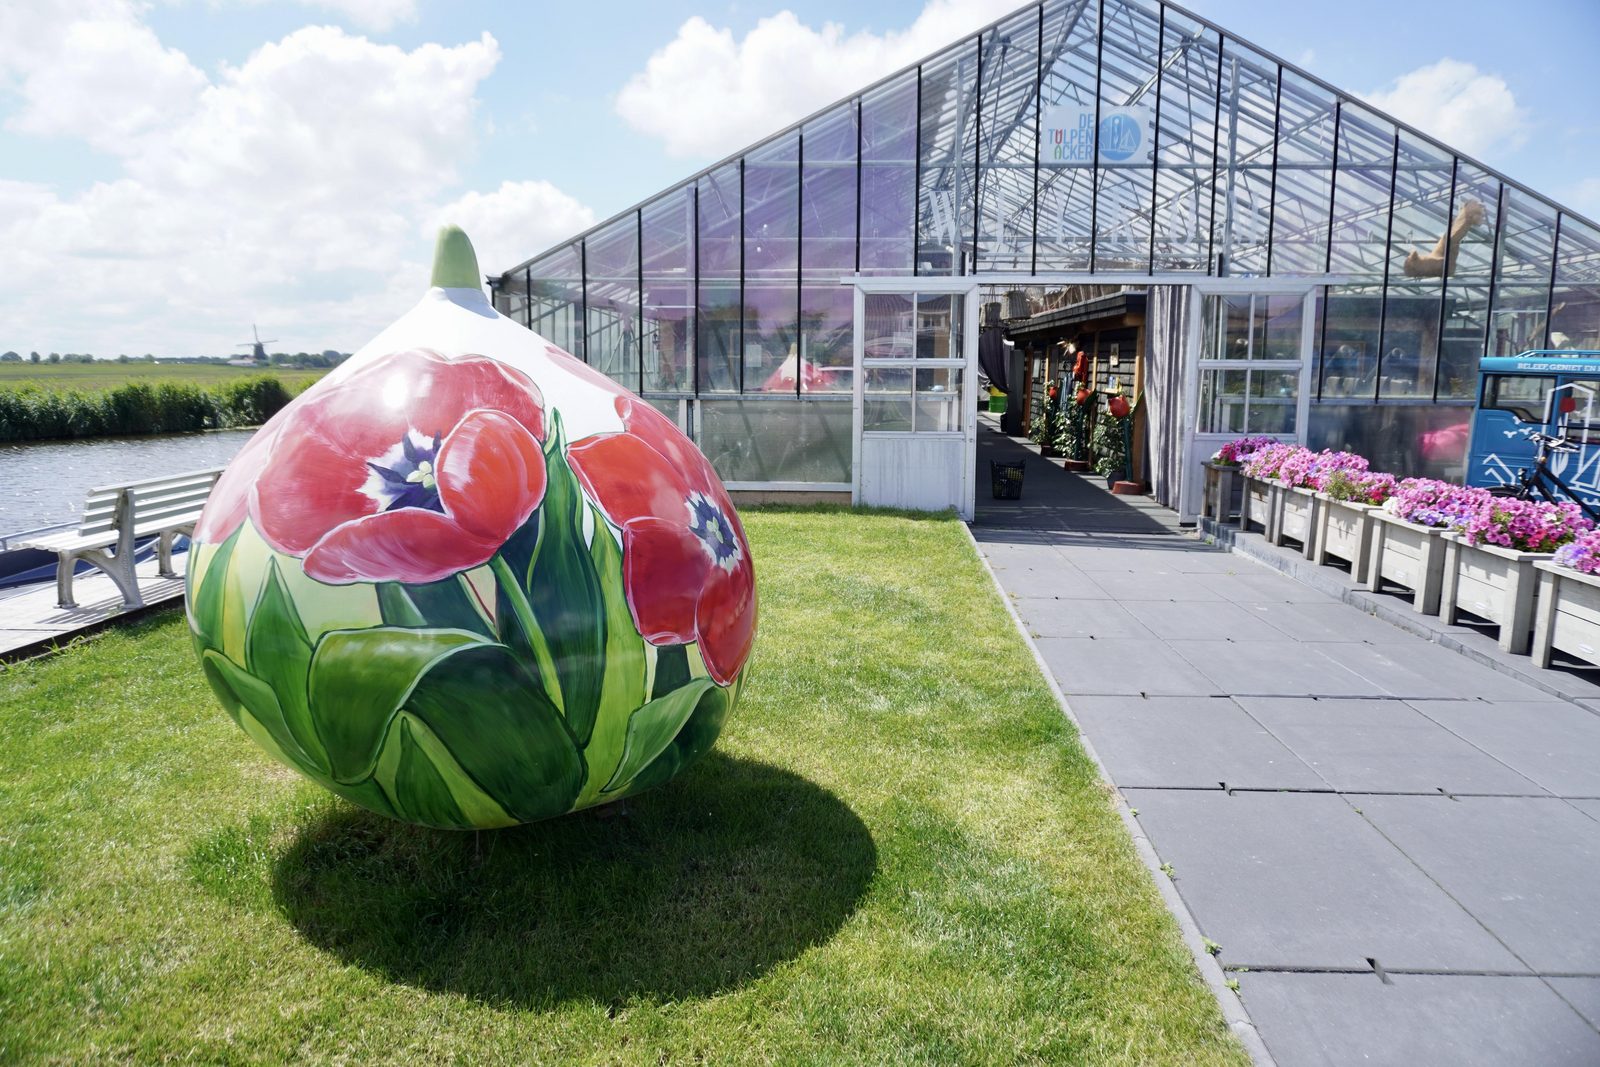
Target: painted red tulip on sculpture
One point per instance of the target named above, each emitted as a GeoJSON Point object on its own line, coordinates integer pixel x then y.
{"type": "Point", "coordinates": [413, 468]}
{"type": "Point", "coordinates": [686, 563]}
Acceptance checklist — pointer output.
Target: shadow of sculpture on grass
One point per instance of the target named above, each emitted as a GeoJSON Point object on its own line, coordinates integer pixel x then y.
{"type": "Point", "coordinates": [697, 887]}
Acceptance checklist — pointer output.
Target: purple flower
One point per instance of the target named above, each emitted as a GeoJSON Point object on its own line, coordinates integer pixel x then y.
{"type": "Point", "coordinates": [1431, 502]}
{"type": "Point", "coordinates": [1523, 525]}
{"type": "Point", "coordinates": [1581, 554]}
{"type": "Point", "coordinates": [1236, 452]}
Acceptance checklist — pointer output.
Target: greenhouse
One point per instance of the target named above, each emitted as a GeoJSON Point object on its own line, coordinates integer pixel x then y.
{"type": "Point", "coordinates": [810, 308]}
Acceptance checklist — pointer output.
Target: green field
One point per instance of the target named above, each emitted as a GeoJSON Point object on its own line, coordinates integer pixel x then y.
{"type": "Point", "coordinates": [897, 853]}
{"type": "Point", "coordinates": [108, 374]}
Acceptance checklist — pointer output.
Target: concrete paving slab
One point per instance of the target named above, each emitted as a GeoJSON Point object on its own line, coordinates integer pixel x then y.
{"type": "Point", "coordinates": [1189, 620]}
{"type": "Point", "coordinates": [1590, 808]}
{"type": "Point", "coordinates": [1259, 585]}
{"type": "Point", "coordinates": [1325, 621]}
{"type": "Point", "coordinates": [1165, 540]}
{"type": "Point", "coordinates": [987, 534]}
{"type": "Point", "coordinates": [1051, 617]}
{"type": "Point", "coordinates": [1052, 577]}
{"type": "Point", "coordinates": [1276, 669]}
{"type": "Point", "coordinates": [1583, 994]}
{"type": "Point", "coordinates": [1187, 742]}
{"type": "Point", "coordinates": [1418, 669]}
{"type": "Point", "coordinates": [1382, 746]}
{"type": "Point", "coordinates": [1202, 561]}
{"type": "Point", "coordinates": [1004, 559]}
{"type": "Point", "coordinates": [1524, 867]}
{"type": "Point", "coordinates": [1551, 742]}
{"type": "Point", "coordinates": [1170, 561]}
{"type": "Point", "coordinates": [1127, 586]}
{"type": "Point", "coordinates": [1302, 880]}
{"type": "Point", "coordinates": [1124, 559]}
{"type": "Point", "coordinates": [1416, 1020]}
{"type": "Point", "coordinates": [1122, 666]}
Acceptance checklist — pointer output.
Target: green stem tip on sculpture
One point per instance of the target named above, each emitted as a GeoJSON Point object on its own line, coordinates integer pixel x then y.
{"type": "Point", "coordinates": [455, 264]}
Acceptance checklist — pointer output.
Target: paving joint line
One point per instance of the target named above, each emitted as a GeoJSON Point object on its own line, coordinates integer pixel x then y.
{"type": "Point", "coordinates": [1438, 792]}
{"type": "Point", "coordinates": [1437, 972]}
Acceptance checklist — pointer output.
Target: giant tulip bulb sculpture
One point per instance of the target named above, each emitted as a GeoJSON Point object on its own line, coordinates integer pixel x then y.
{"type": "Point", "coordinates": [468, 582]}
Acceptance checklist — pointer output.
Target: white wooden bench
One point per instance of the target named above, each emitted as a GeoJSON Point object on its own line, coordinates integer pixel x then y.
{"type": "Point", "coordinates": [116, 518]}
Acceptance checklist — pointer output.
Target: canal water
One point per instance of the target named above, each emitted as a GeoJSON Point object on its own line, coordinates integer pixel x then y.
{"type": "Point", "coordinates": [44, 482]}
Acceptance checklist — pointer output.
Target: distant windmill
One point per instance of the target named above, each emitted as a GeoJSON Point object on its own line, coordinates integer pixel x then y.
{"type": "Point", "coordinates": [258, 347]}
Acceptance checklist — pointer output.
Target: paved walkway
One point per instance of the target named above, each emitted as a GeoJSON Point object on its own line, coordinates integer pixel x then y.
{"type": "Point", "coordinates": [1397, 848]}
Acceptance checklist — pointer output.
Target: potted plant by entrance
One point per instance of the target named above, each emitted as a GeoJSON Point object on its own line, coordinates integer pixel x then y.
{"type": "Point", "coordinates": [1344, 522]}
{"type": "Point", "coordinates": [1408, 543]}
{"type": "Point", "coordinates": [1218, 501]}
{"type": "Point", "coordinates": [1046, 428]}
{"type": "Point", "coordinates": [1260, 502]}
{"type": "Point", "coordinates": [1489, 561]}
{"type": "Point", "coordinates": [1297, 502]}
{"type": "Point", "coordinates": [1567, 610]}
{"type": "Point", "coordinates": [1110, 440]}
{"type": "Point", "coordinates": [1074, 439]}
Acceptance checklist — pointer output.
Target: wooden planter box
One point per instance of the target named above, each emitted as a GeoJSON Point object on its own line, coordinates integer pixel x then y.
{"type": "Point", "coordinates": [1343, 531]}
{"type": "Point", "coordinates": [1493, 583]}
{"type": "Point", "coordinates": [1567, 616]}
{"type": "Point", "coordinates": [1410, 556]}
{"type": "Point", "coordinates": [1297, 516]}
{"type": "Point", "coordinates": [1258, 503]}
{"type": "Point", "coordinates": [1223, 488]}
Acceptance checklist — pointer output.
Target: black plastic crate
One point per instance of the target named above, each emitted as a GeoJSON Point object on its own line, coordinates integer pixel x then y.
{"type": "Point", "coordinates": [1007, 479]}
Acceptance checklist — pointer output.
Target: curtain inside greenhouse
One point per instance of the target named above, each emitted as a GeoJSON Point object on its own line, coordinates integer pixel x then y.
{"type": "Point", "coordinates": [1167, 313]}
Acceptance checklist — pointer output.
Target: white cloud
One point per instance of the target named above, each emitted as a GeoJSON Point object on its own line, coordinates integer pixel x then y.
{"type": "Point", "coordinates": [376, 15]}
{"type": "Point", "coordinates": [102, 77]}
{"type": "Point", "coordinates": [379, 16]}
{"type": "Point", "coordinates": [706, 94]}
{"type": "Point", "coordinates": [1454, 101]}
{"type": "Point", "coordinates": [515, 221]}
{"type": "Point", "coordinates": [286, 190]}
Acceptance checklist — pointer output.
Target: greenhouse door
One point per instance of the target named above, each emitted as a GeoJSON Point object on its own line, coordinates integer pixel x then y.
{"type": "Point", "coordinates": [1250, 370]}
{"type": "Point", "coordinates": [916, 359]}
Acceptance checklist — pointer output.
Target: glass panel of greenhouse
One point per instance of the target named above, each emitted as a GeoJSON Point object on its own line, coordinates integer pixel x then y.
{"type": "Point", "coordinates": [720, 299]}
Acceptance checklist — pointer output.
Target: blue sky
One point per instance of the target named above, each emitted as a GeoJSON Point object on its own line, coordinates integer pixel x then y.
{"type": "Point", "coordinates": [171, 172]}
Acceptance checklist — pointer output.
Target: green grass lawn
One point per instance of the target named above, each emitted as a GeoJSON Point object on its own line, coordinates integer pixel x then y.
{"type": "Point", "coordinates": [109, 374]}
{"type": "Point", "coordinates": [897, 853]}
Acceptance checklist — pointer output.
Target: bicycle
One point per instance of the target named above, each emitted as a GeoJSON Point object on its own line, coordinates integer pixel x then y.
{"type": "Point", "coordinates": [1540, 478]}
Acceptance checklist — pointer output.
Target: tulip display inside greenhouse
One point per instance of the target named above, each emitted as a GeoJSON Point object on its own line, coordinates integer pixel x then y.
{"type": "Point", "coordinates": [467, 582]}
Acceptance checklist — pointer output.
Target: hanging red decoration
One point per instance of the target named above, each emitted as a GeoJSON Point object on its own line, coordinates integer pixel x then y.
{"type": "Point", "coordinates": [1118, 406]}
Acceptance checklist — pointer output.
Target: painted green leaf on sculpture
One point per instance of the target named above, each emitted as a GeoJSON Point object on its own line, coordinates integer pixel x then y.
{"type": "Point", "coordinates": [360, 678]}
{"type": "Point", "coordinates": [623, 685]}
{"type": "Point", "coordinates": [239, 689]}
{"type": "Point", "coordinates": [420, 792]}
{"type": "Point", "coordinates": [692, 741]}
{"type": "Point", "coordinates": [672, 669]}
{"type": "Point", "coordinates": [652, 728]}
{"type": "Point", "coordinates": [278, 653]}
{"type": "Point", "coordinates": [445, 604]}
{"type": "Point", "coordinates": [205, 603]}
{"type": "Point", "coordinates": [496, 720]}
{"type": "Point", "coordinates": [565, 591]}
